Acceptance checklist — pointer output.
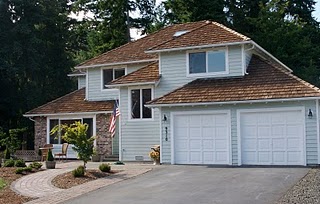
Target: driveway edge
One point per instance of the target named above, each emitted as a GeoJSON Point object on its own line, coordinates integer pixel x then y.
{"type": "Point", "coordinates": [82, 189]}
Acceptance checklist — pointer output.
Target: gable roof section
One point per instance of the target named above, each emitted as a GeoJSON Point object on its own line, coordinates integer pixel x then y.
{"type": "Point", "coordinates": [148, 74]}
{"type": "Point", "coordinates": [71, 103]}
{"type": "Point", "coordinates": [264, 82]}
{"type": "Point", "coordinates": [135, 51]}
{"type": "Point", "coordinates": [211, 33]}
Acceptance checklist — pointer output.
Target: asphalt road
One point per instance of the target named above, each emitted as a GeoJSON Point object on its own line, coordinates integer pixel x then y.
{"type": "Point", "coordinates": [175, 184]}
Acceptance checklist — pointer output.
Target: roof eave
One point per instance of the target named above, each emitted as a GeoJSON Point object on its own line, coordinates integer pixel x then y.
{"type": "Point", "coordinates": [115, 63]}
{"type": "Point", "coordinates": [197, 47]}
{"type": "Point", "coordinates": [232, 102]}
{"type": "Point", "coordinates": [64, 114]}
{"type": "Point", "coordinates": [132, 84]}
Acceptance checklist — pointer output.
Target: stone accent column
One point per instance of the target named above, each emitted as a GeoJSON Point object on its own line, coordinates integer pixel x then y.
{"type": "Point", "coordinates": [103, 137]}
{"type": "Point", "coordinates": [40, 132]}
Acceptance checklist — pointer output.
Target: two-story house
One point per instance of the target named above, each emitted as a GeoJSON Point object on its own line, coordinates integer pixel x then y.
{"type": "Point", "coordinates": [205, 93]}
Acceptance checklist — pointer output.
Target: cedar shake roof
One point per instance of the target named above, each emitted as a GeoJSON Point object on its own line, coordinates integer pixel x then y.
{"type": "Point", "coordinates": [208, 34]}
{"type": "Point", "coordinates": [135, 51]}
{"type": "Point", "coordinates": [72, 103]}
{"type": "Point", "coordinates": [149, 73]}
{"type": "Point", "coordinates": [264, 81]}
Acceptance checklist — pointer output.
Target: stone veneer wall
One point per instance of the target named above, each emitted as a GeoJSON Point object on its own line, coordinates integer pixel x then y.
{"type": "Point", "coordinates": [40, 132]}
{"type": "Point", "coordinates": [103, 140]}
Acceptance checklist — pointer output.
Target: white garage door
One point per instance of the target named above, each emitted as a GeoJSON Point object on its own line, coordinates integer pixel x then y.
{"type": "Point", "coordinates": [272, 138]}
{"type": "Point", "coordinates": [201, 139]}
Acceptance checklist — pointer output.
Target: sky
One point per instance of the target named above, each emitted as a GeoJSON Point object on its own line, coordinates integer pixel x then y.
{"type": "Point", "coordinates": [316, 13]}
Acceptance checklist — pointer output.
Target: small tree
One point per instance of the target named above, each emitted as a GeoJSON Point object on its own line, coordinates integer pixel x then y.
{"type": "Point", "coordinates": [76, 134]}
{"type": "Point", "coordinates": [11, 141]}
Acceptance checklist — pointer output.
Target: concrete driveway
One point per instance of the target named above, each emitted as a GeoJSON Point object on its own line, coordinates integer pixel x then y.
{"type": "Point", "coordinates": [199, 184]}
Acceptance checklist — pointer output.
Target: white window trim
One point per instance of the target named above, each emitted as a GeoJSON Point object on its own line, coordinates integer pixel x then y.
{"type": "Point", "coordinates": [69, 118]}
{"type": "Point", "coordinates": [102, 86]}
{"type": "Point", "coordinates": [208, 74]}
{"type": "Point", "coordinates": [130, 104]}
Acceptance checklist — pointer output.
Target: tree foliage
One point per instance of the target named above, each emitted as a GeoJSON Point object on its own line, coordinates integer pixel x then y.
{"type": "Point", "coordinates": [76, 134]}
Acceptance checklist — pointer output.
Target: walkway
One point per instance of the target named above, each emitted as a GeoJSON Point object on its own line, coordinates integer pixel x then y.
{"type": "Point", "coordinates": [39, 185]}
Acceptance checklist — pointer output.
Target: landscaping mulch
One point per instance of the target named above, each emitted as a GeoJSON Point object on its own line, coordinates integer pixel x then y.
{"type": "Point", "coordinates": [8, 196]}
{"type": "Point", "coordinates": [67, 180]}
{"type": "Point", "coordinates": [306, 191]}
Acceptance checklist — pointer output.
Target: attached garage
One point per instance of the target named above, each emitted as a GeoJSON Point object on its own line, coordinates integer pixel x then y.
{"type": "Point", "coordinates": [272, 137]}
{"type": "Point", "coordinates": [201, 138]}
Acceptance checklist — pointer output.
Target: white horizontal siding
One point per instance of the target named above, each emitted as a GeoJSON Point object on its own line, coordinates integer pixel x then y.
{"type": "Point", "coordinates": [95, 91]}
{"type": "Point", "coordinates": [81, 82]}
{"type": "Point", "coordinates": [310, 126]}
{"type": "Point", "coordinates": [137, 136]}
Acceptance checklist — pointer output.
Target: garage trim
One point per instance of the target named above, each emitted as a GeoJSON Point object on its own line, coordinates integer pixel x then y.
{"type": "Point", "coordinates": [203, 112]}
{"type": "Point", "coordinates": [298, 108]}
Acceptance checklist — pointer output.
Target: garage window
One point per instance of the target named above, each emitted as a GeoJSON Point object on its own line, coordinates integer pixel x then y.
{"type": "Point", "coordinates": [139, 97]}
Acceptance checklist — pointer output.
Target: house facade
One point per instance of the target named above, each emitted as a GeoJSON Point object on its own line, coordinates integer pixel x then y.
{"type": "Point", "coordinates": [205, 93]}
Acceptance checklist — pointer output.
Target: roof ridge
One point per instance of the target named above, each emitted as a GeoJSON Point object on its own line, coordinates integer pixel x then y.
{"type": "Point", "coordinates": [73, 92]}
{"type": "Point", "coordinates": [124, 76]}
{"type": "Point", "coordinates": [201, 26]}
{"type": "Point", "coordinates": [121, 46]}
{"type": "Point", "coordinates": [315, 88]}
{"type": "Point", "coordinates": [230, 30]}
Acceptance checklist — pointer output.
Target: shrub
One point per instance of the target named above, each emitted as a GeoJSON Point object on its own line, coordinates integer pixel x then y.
{"type": "Point", "coordinates": [20, 170]}
{"type": "Point", "coordinates": [19, 163]}
{"type": "Point", "coordinates": [35, 165]}
{"type": "Point", "coordinates": [9, 163]}
{"type": "Point", "coordinates": [50, 156]}
{"type": "Point", "coordinates": [105, 167]}
{"type": "Point", "coordinates": [78, 172]}
{"type": "Point", "coordinates": [6, 154]}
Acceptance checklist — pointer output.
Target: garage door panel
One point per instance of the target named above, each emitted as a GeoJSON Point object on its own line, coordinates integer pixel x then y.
{"type": "Point", "coordinates": [276, 138]}
{"type": "Point", "coordinates": [222, 156]}
{"type": "Point", "coordinates": [206, 141]}
{"type": "Point", "coordinates": [181, 122]}
{"type": "Point", "coordinates": [195, 144]}
{"type": "Point", "coordinates": [195, 132]}
{"type": "Point", "coordinates": [279, 144]}
{"type": "Point", "coordinates": [264, 131]}
{"type": "Point", "coordinates": [263, 157]}
{"type": "Point", "coordinates": [250, 144]}
{"type": "Point", "coordinates": [208, 132]}
{"type": "Point", "coordinates": [208, 144]}
{"type": "Point", "coordinates": [264, 144]}
{"type": "Point", "coordinates": [195, 121]}
{"type": "Point", "coordinates": [195, 157]}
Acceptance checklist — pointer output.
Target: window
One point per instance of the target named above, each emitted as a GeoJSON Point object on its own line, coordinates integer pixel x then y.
{"type": "Point", "coordinates": [207, 62]}
{"type": "Point", "coordinates": [56, 138]}
{"type": "Point", "coordinates": [139, 97]}
{"type": "Point", "coordinates": [111, 74]}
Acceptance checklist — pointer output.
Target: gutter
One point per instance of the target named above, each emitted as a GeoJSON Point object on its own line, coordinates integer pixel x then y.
{"type": "Point", "coordinates": [132, 84]}
{"type": "Point", "coordinates": [115, 63]}
{"type": "Point", "coordinates": [231, 102]}
{"type": "Point", "coordinates": [64, 114]}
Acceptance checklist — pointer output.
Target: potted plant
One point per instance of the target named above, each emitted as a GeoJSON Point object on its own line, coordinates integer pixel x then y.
{"type": "Point", "coordinates": [95, 156]}
{"type": "Point", "coordinates": [155, 155]}
{"type": "Point", "coordinates": [50, 163]}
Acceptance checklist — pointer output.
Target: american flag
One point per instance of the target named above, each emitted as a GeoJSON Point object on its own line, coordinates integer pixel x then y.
{"type": "Point", "coordinates": [113, 119]}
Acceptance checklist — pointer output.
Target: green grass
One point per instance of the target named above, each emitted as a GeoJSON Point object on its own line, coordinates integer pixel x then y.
{"type": "Point", "coordinates": [2, 183]}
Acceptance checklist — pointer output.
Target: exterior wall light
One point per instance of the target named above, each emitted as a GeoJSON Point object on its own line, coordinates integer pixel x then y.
{"type": "Point", "coordinates": [310, 114]}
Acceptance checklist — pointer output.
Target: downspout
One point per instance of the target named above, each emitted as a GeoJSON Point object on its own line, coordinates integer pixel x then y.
{"type": "Point", "coordinates": [251, 48]}
{"type": "Point", "coordinates": [318, 129]}
{"type": "Point", "coordinates": [31, 119]}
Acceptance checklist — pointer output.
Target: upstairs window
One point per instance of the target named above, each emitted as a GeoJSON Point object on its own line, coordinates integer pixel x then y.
{"type": "Point", "coordinates": [210, 62]}
{"type": "Point", "coordinates": [139, 97]}
{"type": "Point", "coordinates": [111, 74]}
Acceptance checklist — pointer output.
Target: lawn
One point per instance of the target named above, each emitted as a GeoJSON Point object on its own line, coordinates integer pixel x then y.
{"type": "Point", "coordinates": [2, 183]}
